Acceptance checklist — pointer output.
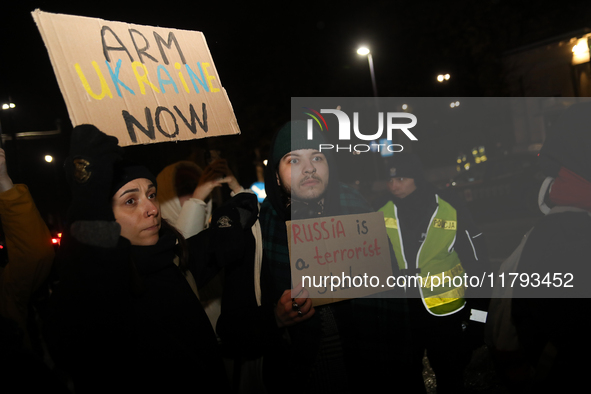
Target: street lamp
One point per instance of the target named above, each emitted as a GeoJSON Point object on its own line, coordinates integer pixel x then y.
{"type": "Point", "coordinates": [443, 77]}
{"type": "Point", "coordinates": [363, 51]}
{"type": "Point", "coordinates": [6, 106]}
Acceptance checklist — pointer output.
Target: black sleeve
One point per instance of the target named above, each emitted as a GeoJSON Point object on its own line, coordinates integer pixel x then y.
{"type": "Point", "coordinates": [226, 241]}
{"type": "Point", "coordinates": [472, 250]}
{"type": "Point", "coordinates": [203, 263]}
{"type": "Point", "coordinates": [247, 329]}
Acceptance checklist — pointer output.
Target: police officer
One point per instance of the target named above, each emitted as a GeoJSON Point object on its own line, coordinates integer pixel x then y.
{"type": "Point", "coordinates": [435, 241]}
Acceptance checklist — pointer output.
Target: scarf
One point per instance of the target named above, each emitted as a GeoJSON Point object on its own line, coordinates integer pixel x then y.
{"type": "Point", "coordinates": [571, 189]}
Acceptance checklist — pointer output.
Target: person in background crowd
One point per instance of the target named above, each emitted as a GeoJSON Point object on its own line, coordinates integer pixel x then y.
{"type": "Point", "coordinates": [30, 258]}
{"type": "Point", "coordinates": [30, 252]}
{"type": "Point", "coordinates": [344, 347]}
{"type": "Point", "coordinates": [184, 193]}
{"type": "Point", "coordinates": [125, 314]}
{"type": "Point", "coordinates": [434, 234]}
{"type": "Point", "coordinates": [550, 315]}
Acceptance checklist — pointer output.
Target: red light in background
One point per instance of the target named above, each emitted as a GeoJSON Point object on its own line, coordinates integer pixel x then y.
{"type": "Point", "coordinates": [57, 240]}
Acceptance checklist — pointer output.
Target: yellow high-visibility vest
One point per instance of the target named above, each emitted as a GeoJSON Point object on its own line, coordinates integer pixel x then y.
{"type": "Point", "coordinates": [438, 261]}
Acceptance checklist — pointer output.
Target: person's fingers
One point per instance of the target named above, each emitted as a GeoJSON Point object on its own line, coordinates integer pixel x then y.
{"type": "Point", "coordinates": [302, 294]}
{"type": "Point", "coordinates": [307, 315]}
{"type": "Point", "coordinates": [214, 176]}
{"type": "Point", "coordinates": [306, 306]}
{"type": "Point", "coordinates": [285, 297]}
{"type": "Point", "coordinates": [297, 291]}
{"type": "Point", "coordinates": [294, 310]}
{"type": "Point", "coordinates": [217, 166]}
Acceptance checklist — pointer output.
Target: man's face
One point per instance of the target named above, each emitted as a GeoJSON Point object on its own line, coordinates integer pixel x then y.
{"type": "Point", "coordinates": [401, 187]}
{"type": "Point", "coordinates": [303, 174]}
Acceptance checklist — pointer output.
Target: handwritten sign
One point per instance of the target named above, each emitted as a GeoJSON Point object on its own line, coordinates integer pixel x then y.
{"type": "Point", "coordinates": [340, 257]}
{"type": "Point", "coordinates": [141, 84]}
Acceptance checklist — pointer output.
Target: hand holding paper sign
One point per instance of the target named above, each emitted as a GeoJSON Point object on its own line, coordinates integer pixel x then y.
{"type": "Point", "coordinates": [141, 84]}
{"type": "Point", "coordinates": [290, 311]}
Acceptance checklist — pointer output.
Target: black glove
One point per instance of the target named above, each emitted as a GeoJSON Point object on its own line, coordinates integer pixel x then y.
{"type": "Point", "coordinates": [248, 208]}
{"type": "Point", "coordinates": [89, 171]}
{"type": "Point", "coordinates": [230, 228]}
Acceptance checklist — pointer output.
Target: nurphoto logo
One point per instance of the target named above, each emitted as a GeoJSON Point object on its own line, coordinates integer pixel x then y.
{"type": "Point", "coordinates": [345, 129]}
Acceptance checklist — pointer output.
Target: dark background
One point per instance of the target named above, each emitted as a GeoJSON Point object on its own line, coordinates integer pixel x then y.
{"type": "Point", "coordinates": [267, 54]}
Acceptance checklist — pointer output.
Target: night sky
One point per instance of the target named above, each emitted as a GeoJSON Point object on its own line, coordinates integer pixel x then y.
{"type": "Point", "coordinates": [266, 55]}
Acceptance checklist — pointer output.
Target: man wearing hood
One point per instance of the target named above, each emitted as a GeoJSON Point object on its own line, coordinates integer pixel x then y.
{"type": "Point", "coordinates": [347, 346]}
{"type": "Point", "coordinates": [433, 236]}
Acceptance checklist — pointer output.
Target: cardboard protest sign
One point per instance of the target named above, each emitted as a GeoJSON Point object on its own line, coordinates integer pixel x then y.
{"type": "Point", "coordinates": [141, 84]}
{"type": "Point", "coordinates": [340, 257]}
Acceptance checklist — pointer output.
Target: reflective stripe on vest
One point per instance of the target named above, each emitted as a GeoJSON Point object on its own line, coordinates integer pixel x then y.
{"type": "Point", "coordinates": [438, 262]}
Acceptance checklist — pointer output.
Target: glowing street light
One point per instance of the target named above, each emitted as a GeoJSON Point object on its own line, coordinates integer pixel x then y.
{"type": "Point", "coordinates": [443, 77]}
{"type": "Point", "coordinates": [8, 106]}
{"type": "Point", "coordinates": [364, 51]}
{"type": "Point", "coordinates": [48, 158]}
{"type": "Point", "coordinates": [581, 52]}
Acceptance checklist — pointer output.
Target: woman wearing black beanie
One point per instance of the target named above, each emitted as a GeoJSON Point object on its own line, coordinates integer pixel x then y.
{"type": "Point", "coordinates": [125, 316]}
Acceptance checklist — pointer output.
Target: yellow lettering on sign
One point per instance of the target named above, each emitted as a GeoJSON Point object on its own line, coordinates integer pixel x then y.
{"type": "Point", "coordinates": [142, 79]}
{"type": "Point", "coordinates": [104, 87]}
{"type": "Point", "coordinates": [209, 77]}
{"type": "Point", "coordinates": [177, 65]}
{"type": "Point", "coordinates": [445, 224]}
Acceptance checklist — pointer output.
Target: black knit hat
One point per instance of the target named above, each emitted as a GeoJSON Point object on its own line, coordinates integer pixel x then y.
{"type": "Point", "coordinates": [404, 165]}
{"type": "Point", "coordinates": [126, 171]}
{"type": "Point", "coordinates": [294, 136]}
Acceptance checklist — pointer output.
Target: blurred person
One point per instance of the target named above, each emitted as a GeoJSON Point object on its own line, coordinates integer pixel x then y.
{"type": "Point", "coordinates": [432, 233]}
{"type": "Point", "coordinates": [30, 258]}
{"type": "Point", "coordinates": [184, 193]}
{"type": "Point", "coordinates": [124, 315]}
{"type": "Point", "coordinates": [30, 251]}
{"type": "Point", "coordinates": [343, 347]}
{"type": "Point", "coordinates": [550, 318]}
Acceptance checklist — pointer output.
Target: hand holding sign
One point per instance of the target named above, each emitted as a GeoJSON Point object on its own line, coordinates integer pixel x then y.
{"type": "Point", "coordinates": [141, 84]}
{"type": "Point", "coordinates": [290, 311]}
